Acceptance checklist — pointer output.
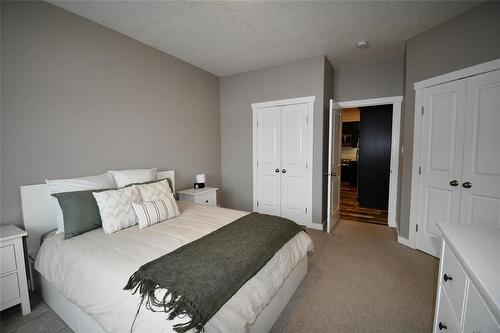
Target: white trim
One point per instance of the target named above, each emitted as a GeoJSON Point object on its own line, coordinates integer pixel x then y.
{"type": "Point", "coordinates": [316, 226]}
{"type": "Point", "coordinates": [310, 131]}
{"type": "Point", "coordinates": [395, 150]}
{"type": "Point", "coordinates": [369, 102]}
{"type": "Point", "coordinates": [417, 132]}
{"type": "Point", "coordinates": [459, 74]}
{"type": "Point", "coordinates": [281, 102]}
{"type": "Point", "coordinates": [403, 241]}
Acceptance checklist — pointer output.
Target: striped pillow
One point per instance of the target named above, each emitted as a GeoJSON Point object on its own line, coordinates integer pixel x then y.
{"type": "Point", "coordinates": [151, 212]}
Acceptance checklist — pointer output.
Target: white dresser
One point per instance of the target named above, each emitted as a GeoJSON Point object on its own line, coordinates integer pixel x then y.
{"type": "Point", "coordinates": [13, 283]}
{"type": "Point", "coordinates": [205, 196]}
{"type": "Point", "coordinates": [468, 293]}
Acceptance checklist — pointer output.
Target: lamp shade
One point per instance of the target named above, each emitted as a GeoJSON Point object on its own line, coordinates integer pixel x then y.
{"type": "Point", "coordinates": [200, 178]}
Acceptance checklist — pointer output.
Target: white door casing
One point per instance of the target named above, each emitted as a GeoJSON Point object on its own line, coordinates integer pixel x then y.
{"type": "Point", "coordinates": [283, 158]}
{"type": "Point", "coordinates": [334, 150]}
{"type": "Point", "coordinates": [269, 158]}
{"type": "Point", "coordinates": [480, 204]}
{"type": "Point", "coordinates": [441, 158]}
{"type": "Point", "coordinates": [294, 161]}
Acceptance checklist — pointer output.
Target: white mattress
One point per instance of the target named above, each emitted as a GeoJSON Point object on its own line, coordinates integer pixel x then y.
{"type": "Point", "coordinates": [90, 270]}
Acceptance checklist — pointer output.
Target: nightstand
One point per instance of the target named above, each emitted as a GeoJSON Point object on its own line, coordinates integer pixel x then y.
{"type": "Point", "coordinates": [205, 196]}
{"type": "Point", "coordinates": [13, 282]}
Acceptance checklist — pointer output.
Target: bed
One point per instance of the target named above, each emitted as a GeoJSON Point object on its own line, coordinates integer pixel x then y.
{"type": "Point", "coordinates": [82, 278]}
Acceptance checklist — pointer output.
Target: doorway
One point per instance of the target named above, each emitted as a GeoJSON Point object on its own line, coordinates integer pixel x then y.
{"type": "Point", "coordinates": [365, 164]}
{"type": "Point", "coordinates": [350, 191]}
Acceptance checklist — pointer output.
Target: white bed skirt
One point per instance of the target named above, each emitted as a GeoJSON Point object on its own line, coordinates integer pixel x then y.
{"type": "Point", "coordinates": [80, 322]}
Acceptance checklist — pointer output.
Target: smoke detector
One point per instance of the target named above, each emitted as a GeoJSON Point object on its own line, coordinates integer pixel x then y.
{"type": "Point", "coordinates": [362, 44]}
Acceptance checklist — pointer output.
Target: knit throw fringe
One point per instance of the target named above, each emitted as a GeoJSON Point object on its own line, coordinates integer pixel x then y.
{"type": "Point", "coordinates": [172, 303]}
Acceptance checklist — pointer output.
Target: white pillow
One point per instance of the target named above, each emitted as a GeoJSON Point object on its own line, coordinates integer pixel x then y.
{"type": "Point", "coordinates": [99, 182]}
{"type": "Point", "coordinates": [126, 177]}
{"type": "Point", "coordinates": [151, 212]}
{"type": "Point", "coordinates": [154, 191]}
{"type": "Point", "coordinates": [116, 209]}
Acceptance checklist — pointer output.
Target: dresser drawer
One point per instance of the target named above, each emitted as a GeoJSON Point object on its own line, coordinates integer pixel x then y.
{"type": "Point", "coordinates": [478, 317]}
{"type": "Point", "coordinates": [8, 259]}
{"type": "Point", "coordinates": [453, 280]}
{"type": "Point", "coordinates": [209, 199]}
{"type": "Point", "coordinates": [446, 320]}
{"type": "Point", "coordinates": [9, 288]}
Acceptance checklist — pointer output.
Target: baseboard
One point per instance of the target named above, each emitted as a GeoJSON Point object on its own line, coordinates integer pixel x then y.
{"type": "Point", "coordinates": [404, 241]}
{"type": "Point", "coordinates": [316, 226]}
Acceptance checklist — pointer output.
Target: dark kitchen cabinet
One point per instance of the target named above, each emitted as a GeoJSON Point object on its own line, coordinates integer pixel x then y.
{"type": "Point", "coordinates": [350, 134]}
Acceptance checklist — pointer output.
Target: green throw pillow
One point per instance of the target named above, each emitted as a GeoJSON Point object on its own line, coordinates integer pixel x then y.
{"type": "Point", "coordinates": [80, 212]}
{"type": "Point", "coordinates": [154, 181]}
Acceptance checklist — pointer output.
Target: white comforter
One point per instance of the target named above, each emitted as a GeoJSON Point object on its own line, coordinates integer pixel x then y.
{"type": "Point", "coordinates": [91, 270]}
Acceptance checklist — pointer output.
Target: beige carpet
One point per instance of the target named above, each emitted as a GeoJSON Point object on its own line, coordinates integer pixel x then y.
{"type": "Point", "coordinates": [360, 280]}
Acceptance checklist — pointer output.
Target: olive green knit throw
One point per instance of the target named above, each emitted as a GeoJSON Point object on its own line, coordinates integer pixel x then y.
{"type": "Point", "coordinates": [199, 277]}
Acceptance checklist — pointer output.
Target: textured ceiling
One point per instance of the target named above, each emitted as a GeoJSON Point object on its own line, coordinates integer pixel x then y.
{"type": "Point", "coordinates": [229, 37]}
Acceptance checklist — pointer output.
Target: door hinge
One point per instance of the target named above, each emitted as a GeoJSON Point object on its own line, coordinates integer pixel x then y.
{"type": "Point", "coordinates": [306, 165]}
{"type": "Point", "coordinates": [257, 164]}
{"type": "Point", "coordinates": [419, 171]}
{"type": "Point", "coordinates": [257, 202]}
{"type": "Point", "coordinates": [416, 228]}
{"type": "Point", "coordinates": [307, 120]}
{"type": "Point", "coordinates": [306, 210]}
{"type": "Point", "coordinates": [422, 110]}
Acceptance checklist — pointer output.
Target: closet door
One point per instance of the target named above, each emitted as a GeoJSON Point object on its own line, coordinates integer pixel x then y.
{"type": "Point", "coordinates": [441, 161]}
{"type": "Point", "coordinates": [480, 200]}
{"type": "Point", "coordinates": [268, 158]}
{"type": "Point", "coordinates": [294, 162]}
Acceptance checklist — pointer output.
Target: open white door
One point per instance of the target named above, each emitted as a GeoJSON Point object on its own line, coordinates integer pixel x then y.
{"type": "Point", "coordinates": [334, 138]}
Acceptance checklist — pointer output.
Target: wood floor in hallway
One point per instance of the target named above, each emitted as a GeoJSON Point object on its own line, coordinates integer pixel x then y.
{"type": "Point", "coordinates": [351, 210]}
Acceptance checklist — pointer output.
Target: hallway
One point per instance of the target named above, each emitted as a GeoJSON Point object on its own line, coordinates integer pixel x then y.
{"type": "Point", "coordinates": [350, 209]}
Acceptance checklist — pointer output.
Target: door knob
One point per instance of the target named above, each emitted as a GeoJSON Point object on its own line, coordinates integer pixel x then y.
{"type": "Point", "coordinates": [454, 182]}
{"type": "Point", "coordinates": [467, 185]}
{"type": "Point", "coordinates": [334, 174]}
{"type": "Point", "coordinates": [442, 326]}
{"type": "Point", "coordinates": [447, 277]}
{"type": "Point", "coordinates": [277, 170]}
{"type": "Point", "coordinates": [284, 170]}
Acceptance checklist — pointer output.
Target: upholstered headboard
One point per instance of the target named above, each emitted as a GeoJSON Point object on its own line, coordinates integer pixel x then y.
{"type": "Point", "coordinates": [39, 210]}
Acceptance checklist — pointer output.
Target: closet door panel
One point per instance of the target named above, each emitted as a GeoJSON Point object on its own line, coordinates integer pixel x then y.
{"type": "Point", "coordinates": [293, 161]}
{"type": "Point", "coordinates": [441, 161]}
{"type": "Point", "coordinates": [269, 155]}
{"type": "Point", "coordinates": [480, 203]}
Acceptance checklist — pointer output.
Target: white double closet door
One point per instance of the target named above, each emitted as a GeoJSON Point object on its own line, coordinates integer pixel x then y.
{"type": "Point", "coordinates": [282, 161]}
{"type": "Point", "coordinates": [460, 157]}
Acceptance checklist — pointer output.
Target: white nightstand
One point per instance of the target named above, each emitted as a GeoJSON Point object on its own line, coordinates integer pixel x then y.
{"type": "Point", "coordinates": [13, 282]}
{"type": "Point", "coordinates": [205, 196]}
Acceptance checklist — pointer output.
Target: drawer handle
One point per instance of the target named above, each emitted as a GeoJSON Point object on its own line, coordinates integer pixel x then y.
{"type": "Point", "coordinates": [447, 277]}
{"type": "Point", "coordinates": [442, 326]}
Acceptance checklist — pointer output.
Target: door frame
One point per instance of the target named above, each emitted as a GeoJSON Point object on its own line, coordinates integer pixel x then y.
{"type": "Point", "coordinates": [396, 102]}
{"type": "Point", "coordinates": [309, 100]}
{"type": "Point", "coordinates": [417, 135]}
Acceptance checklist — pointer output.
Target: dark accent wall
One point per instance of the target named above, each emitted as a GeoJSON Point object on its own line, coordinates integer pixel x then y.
{"type": "Point", "coordinates": [374, 156]}
{"type": "Point", "coordinates": [466, 40]}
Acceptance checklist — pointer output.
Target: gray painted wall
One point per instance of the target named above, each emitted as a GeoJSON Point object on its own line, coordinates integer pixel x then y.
{"type": "Point", "coordinates": [466, 40]}
{"type": "Point", "coordinates": [237, 93]}
{"type": "Point", "coordinates": [381, 79]}
{"type": "Point", "coordinates": [79, 99]}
